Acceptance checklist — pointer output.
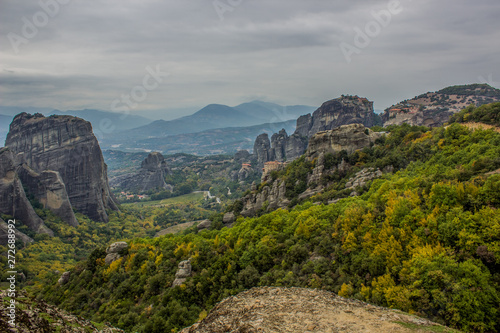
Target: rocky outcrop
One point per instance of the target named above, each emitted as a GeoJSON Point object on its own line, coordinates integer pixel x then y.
{"type": "Point", "coordinates": [13, 199]}
{"type": "Point", "coordinates": [279, 144]}
{"type": "Point", "coordinates": [262, 149]}
{"type": "Point", "coordinates": [64, 278]}
{"type": "Point", "coordinates": [49, 189]}
{"type": "Point", "coordinates": [362, 178]}
{"type": "Point", "coordinates": [67, 145]}
{"type": "Point", "coordinates": [183, 272]}
{"type": "Point", "coordinates": [295, 147]}
{"type": "Point", "coordinates": [272, 309]}
{"type": "Point", "coordinates": [271, 197]}
{"type": "Point", "coordinates": [348, 137]}
{"type": "Point", "coordinates": [19, 236]}
{"type": "Point", "coordinates": [204, 225]}
{"type": "Point", "coordinates": [113, 252]}
{"type": "Point", "coordinates": [228, 218]}
{"type": "Point", "coordinates": [344, 110]}
{"type": "Point", "coordinates": [150, 176]}
{"type": "Point", "coordinates": [428, 117]}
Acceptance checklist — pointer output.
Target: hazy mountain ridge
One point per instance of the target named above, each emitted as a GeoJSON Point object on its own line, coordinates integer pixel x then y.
{"type": "Point", "coordinates": [213, 116]}
{"type": "Point", "coordinates": [211, 142]}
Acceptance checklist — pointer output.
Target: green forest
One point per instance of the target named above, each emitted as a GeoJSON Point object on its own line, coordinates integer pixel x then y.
{"type": "Point", "coordinates": [424, 239]}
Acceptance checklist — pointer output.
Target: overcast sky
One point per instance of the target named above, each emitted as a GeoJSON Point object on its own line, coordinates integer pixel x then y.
{"type": "Point", "coordinates": [87, 54]}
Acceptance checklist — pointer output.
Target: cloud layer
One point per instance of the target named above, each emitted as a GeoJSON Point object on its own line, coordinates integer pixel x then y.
{"type": "Point", "coordinates": [86, 54]}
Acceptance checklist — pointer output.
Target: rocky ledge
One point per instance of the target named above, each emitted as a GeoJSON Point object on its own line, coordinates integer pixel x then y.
{"type": "Point", "coordinates": [268, 309]}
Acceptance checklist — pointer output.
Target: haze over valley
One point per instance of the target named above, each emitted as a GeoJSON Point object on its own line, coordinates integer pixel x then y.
{"type": "Point", "coordinates": [249, 166]}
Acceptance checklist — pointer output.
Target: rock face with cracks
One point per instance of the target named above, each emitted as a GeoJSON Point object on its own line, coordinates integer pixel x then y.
{"type": "Point", "coordinates": [66, 145]}
{"type": "Point", "coordinates": [345, 110]}
{"type": "Point", "coordinates": [13, 199]}
{"type": "Point", "coordinates": [269, 309]}
{"type": "Point", "coordinates": [150, 176]}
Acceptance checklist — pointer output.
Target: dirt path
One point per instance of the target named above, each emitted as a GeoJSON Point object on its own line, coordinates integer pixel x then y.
{"type": "Point", "coordinates": [276, 310]}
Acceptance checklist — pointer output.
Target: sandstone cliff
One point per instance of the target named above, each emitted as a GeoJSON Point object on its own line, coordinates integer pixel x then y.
{"type": "Point", "coordinates": [13, 200]}
{"type": "Point", "coordinates": [348, 137]}
{"type": "Point", "coordinates": [270, 309]}
{"type": "Point", "coordinates": [151, 175]}
{"type": "Point", "coordinates": [49, 189]}
{"type": "Point", "coordinates": [344, 110]}
{"type": "Point", "coordinates": [66, 145]}
{"type": "Point", "coordinates": [272, 194]}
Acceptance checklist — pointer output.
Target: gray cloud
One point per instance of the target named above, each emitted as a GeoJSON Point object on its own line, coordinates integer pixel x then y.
{"type": "Point", "coordinates": [92, 52]}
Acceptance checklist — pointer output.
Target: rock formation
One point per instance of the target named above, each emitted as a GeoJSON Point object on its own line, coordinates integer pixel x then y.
{"type": "Point", "coordinates": [434, 109]}
{"type": "Point", "coordinates": [274, 309]}
{"type": "Point", "coordinates": [262, 149]}
{"type": "Point", "coordinates": [204, 225]}
{"type": "Point", "coordinates": [348, 137]}
{"type": "Point", "coordinates": [278, 145]}
{"type": "Point", "coordinates": [113, 252]}
{"type": "Point", "coordinates": [271, 197]}
{"type": "Point", "coordinates": [4, 235]}
{"type": "Point", "coordinates": [344, 110]}
{"type": "Point", "coordinates": [67, 145]}
{"type": "Point", "coordinates": [13, 199]}
{"type": "Point", "coordinates": [183, 272]}
{"type": "Point", "coordinates": [228, 218]}
{"type": "Point", "coordinates": [150, 176]}
{"type": "Point", "coordinates": [272, 193]}
{"type": "Point", "coordinates": [64, 278]}
{"type": "Point", "coordinates": [49, 189]}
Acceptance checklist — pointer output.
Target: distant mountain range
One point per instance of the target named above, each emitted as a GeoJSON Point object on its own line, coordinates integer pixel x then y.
{"type": "Point", "coordinates": [219, 129]}
{"type": "Point", "coordinates": [215, 141]}
{"type": "Point", "coordinates": [215, 116]}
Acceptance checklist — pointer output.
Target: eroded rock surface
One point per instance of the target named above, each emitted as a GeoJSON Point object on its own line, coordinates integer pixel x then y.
{"type": "Point", "coordinates": [150, 176]}
{"type": "Point", "coordinates": [183, 272]}
{"type": "Point", "coordinates": [13, 199]}
{"type": "Point", "coordinates": [65, 144]}
{"type": "Point", "coordinates": [337, 112]}
{"type": "Point", "coordinates": [64, 278]}
{"type": "Point", "coordinates": [348, 137]}
{"type": "Point", "coordinates": [269, 309]}
{"type": "Point", "coordinates": [113, 251]}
